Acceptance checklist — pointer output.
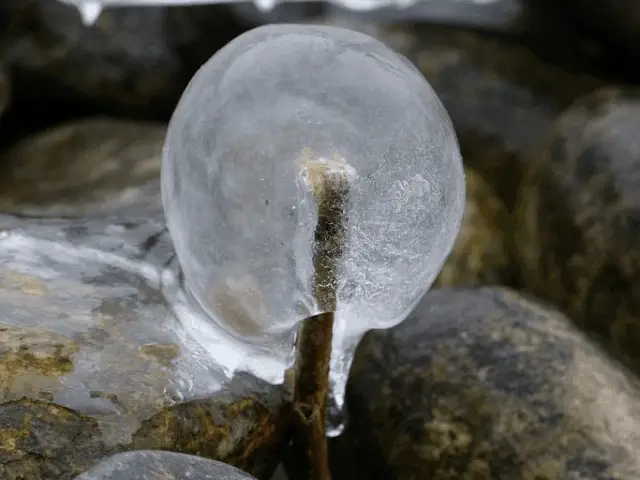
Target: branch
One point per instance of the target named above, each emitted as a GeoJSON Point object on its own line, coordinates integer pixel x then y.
{"type": "Point", "coordinates": [329, 182]}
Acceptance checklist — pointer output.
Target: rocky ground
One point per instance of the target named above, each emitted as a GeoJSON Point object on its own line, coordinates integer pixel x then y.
{"type": "Point", "coordinates": [521, 363]}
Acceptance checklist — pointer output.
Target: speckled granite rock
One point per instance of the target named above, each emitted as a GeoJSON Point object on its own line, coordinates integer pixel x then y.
{"type": "Point", "coordinates": [134, 61]}
{"type": "Point", "coordinates": [87, 167]}
{"type": "Point", "coordinates": [157, 465]}
{"type": "Point", "coordinates": [94, 362]}
{"type": "Point", "coordinates": [579, 219]}
{"type": "Point", "coordinates": [483, 384]}
{"type": "Point", "coordinates": [480, 255]}
{"type": "Point", "coordinates": [501, 97]}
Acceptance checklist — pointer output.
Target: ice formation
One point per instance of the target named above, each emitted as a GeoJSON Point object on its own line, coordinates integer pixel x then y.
{"type": "Point", "coordinates": [448, 9]}
{"type": "Point", "coordinates": [276, 106]}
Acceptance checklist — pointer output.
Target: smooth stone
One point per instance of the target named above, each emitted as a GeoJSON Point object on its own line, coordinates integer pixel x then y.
{"type": "Point", "coordinates": [578, 235]}
{"type": "Point", "coordinates": [134, 61]}
{"type": "Point", "coordinates": [485, 384]}
{"type": "Point", "coordinates": [94, 362]}
{"type": "Point", "coordinates": [480, 255]}
{"type": "Point", "coordinates": [156, 465]}
{"type": "Point", "coordinates": [86, 167]}
{"type": "Point", "coordinates": [501, 97]}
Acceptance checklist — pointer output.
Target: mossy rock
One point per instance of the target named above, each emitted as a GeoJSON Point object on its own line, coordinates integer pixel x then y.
{"type": "Point", "coordinates": [482, 383]}
{"type": "Point", "coordinates": [86, 167]}
{"type": "Point", "coordinates": [480, 255]}
{"type": "Point", "coordinates": [578, 219]}
{"type": "Point", "coordinates": [94, 362]}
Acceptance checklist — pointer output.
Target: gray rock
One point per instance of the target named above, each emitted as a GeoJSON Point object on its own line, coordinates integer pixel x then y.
{"type": "Point", "coordinates": [156, 465]}
{"type": "Point", "coordinates": [93, 360]}
{"type": "Point", "coordinates": [133, 61]}
{"type": "Point", "coordinates": [579, 219]}
{"type": "Point", "coordinates": [483, 384]}
{"type": "Point", "coordinates": [86, 167]}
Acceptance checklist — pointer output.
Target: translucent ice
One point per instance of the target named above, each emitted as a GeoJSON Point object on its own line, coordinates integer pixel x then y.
{"type": "Point", "coordinates": [148, 464]}
{"type": "Point", "coordinates": [276, 106]}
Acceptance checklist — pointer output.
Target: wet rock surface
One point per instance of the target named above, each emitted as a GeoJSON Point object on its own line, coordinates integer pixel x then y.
{"type": "Point", "coordinates": [88, 167]}
{"type": "Point", "coordinates": [579, 219]}
{"type": "Point", "coordinates": [145, 464]}
{"type": "Point", "coordinates": [93, 360]}
{"type": "Point", "coordinates": [485, 384]}
{"type": "Point", "coordinates": [480, 254]}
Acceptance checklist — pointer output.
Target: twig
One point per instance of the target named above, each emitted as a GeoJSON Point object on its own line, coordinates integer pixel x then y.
{"type": "Point", "coordinates": [329, 182]}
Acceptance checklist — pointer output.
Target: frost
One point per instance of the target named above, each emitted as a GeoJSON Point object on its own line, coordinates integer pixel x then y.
{"type": "Point", "coordinates": [277, 106]}
{"type": "Point", "coordinates": [147, 464]}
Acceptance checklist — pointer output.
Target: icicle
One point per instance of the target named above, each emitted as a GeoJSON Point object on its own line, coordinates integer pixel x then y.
{"type": "Point", "coordinates": [89, 11]}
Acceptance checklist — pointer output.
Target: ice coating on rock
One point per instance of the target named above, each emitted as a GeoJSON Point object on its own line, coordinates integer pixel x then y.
{"type": "Point", "coordinates": [95, 290]}
{"type": "Point", "coordinates": [241, 210]}
{"type": "Point", "coordinates": [149, 464]}
{"type": "Point", "coordinates": [447, 9]}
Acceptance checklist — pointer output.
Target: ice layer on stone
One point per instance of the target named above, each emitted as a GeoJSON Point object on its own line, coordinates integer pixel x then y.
{"type": "Point", "coordinates": [243, 222]}
{"type": "Point", "coordinates": [465, 10]}
{"type": "Point", "coordinates": [92, 289]}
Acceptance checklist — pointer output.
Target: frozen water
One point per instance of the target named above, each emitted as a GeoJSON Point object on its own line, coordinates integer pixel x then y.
{"type": "Point", "coordinates": [147, 464]}
{"type": "Point", "coordinates": [98, 288]}
{"type": "Point", "coordinates": [236, 189]}
{"type": "Point", "coordinates": [89, 11]}
{"type": "Point", "coordinates": [448, 9]}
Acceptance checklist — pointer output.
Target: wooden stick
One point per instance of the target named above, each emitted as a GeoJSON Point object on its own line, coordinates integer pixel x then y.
{"type": "Point", "coordinates": [328, 181]}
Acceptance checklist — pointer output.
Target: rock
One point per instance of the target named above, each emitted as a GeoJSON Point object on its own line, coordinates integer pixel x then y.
{"type": "Point", "coordinates": [481, 384]}
{"type": "Point", "coordinates": [133, 61]}
{"type": "Point", "coordinates": [480, 255]}
{"type": "Point", "coordinates": [616, 21]}
{"type": "Point", "coordinates": [156, 465]}
{"type": "Point", "coordinates": [86, 167]}
{"type": "Point", "coordinates": [93, 360]}
{"type": "Point", "coordinates": [579, 219]}
{"type": "Point", "coordinates": [252, 16]}
{"type": "Point", "coordinates": [500, 96]}
{"type": "Point", "coordinates": [5, 90]}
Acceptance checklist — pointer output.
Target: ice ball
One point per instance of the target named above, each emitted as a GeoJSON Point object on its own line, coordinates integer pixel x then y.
{"type": "Point", "coordinates": [235, 179]}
